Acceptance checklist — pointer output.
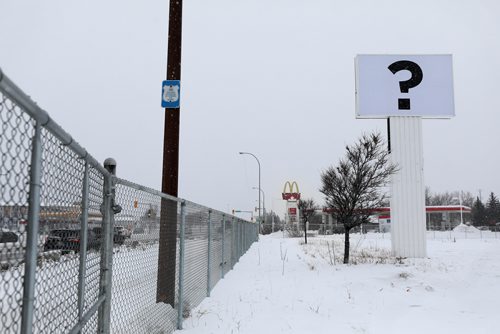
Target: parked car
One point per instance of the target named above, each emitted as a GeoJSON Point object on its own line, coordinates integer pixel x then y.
{"type": "Point", "coordinates": [123, 231]}
{"type": "Point", "coordinates": [118, 238]}
{"type": "Point", "coordinates": [12, 248]}
{"type": "Point", "coordinates": [69, 240]}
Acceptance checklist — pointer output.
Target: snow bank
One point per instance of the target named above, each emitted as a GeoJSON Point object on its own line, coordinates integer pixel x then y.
{"type": "Point", "coordinates": [465, 228]}
{"type": "Point", "coordinates": [282, 286]}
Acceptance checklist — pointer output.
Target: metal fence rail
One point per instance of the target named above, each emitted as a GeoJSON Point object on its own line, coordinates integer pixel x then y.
{"type": "Point", "coordinates": [79, 247]}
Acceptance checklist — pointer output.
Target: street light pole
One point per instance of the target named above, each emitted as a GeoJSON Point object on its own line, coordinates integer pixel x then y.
{"type": "Point", "coordinates": [258, 162]}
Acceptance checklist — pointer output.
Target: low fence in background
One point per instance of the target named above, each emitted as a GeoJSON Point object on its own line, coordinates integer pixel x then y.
{"type": "Point", "coordinates": [445, 232]}
{"type": "Point", "coordinates": [80, 247]}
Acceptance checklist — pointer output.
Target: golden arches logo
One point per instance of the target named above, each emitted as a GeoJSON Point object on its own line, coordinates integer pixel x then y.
{"type": "Point", "coordinates": [291, 185]}
{"type": "Point", "coordinates": [291, 194]}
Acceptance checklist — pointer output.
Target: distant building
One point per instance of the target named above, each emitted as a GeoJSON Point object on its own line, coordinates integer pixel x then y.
{"type": "Point", "coordinates": [438, 217]}
{"type": "Point", "coordinates": [51, 216]}
{"type": "Point", "coordinates": [12, 215]}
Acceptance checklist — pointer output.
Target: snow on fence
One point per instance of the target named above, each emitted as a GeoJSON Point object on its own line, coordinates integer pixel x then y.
{"type": "Point", "coordinates": [82, 251]}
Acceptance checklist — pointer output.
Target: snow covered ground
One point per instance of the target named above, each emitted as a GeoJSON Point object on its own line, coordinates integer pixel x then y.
{"type": "Point", "coordinates": [455, 290]}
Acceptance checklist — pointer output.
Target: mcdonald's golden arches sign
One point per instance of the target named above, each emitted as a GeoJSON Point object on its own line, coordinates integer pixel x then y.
{"type": "Point", "coordinates": [288, 191]}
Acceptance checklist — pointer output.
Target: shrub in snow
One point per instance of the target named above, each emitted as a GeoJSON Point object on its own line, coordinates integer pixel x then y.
{"type": "Point", "coordinates": [293, 232]}
{"type": "Point", "coordinates": [352, 188]}
{"type": "Point", "coordinates": [331, 251]}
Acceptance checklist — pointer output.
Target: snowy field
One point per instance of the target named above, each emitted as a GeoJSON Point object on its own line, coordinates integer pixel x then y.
{"type": "Point", "coordinates": [455, 290]}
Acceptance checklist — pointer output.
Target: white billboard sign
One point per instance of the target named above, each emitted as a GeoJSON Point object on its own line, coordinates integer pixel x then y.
{"type": "Point", "coordinates": [404, 85]}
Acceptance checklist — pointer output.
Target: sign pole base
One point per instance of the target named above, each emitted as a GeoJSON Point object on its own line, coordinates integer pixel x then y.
{"type": "Point", "coordinates": [408, 225]}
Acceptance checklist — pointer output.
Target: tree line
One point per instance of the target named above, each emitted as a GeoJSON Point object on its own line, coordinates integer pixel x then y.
{"type": "Point", "coordinates": [486, 215]}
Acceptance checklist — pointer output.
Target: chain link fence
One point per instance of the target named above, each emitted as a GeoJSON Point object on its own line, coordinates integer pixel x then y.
{"type": "Point", "coordinates": [82, 251]}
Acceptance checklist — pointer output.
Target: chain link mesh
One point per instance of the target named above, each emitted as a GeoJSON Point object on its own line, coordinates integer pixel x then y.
{"type": "Point", "coordinates": [71, 274]}
{"type": "Point", "coordinates": [135, 266]}
{"type": "Point", "coordinates": [216, 249]}
{"type": "Point", "coordinates": [60, 209]}
{"type": "Point", "coordinates": [196, 256]}
{"type": "Point", "coordinates": [15, 150]}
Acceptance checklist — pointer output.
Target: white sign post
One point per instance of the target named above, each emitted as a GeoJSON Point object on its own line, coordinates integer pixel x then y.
{"type": "Point", "coordinates": [405, 89]}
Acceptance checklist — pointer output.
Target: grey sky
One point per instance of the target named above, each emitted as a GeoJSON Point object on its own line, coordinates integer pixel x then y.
{"type": "Point", "coordinates": [275, 78]}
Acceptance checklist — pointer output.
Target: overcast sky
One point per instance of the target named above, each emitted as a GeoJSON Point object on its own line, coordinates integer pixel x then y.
{"type": "Point", "coordinates": [271, 77]}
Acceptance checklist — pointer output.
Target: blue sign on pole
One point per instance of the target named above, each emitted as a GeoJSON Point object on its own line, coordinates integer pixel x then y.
{"type": "Point", "coordinates": [171, 94]}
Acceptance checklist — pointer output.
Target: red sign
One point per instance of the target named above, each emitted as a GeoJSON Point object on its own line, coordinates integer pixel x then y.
{"type": "Point", "coordinates": [292, 211]}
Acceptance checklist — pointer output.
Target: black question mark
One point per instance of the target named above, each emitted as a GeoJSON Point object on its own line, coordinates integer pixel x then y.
{"type": "Point", "coordinates": [416, 78]}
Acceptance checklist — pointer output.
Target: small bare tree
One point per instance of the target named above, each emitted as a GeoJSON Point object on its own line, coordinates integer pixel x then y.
{"type": "Point", "coordinates": [353, 188]}
{"type": "Point", "coordinates": [306, 209]}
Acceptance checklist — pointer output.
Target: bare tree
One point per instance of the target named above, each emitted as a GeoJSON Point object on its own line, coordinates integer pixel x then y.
{"type": "Point", "coordinates": [446, 198]}
{"type": "Point", "coordinates": [306, 209]}
{"type": "Point", "coordinates": [449, 198]}
{"type": "Point", "coordinates": [428, 196]}
{"type": "Point", "coordinates": [354, 187]}
{"type": "Point", "coordinates": [467, 198]}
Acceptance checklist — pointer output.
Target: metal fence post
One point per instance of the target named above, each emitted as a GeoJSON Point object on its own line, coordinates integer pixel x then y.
{"type": "Point", "coordinates": [251, 238]}
{"type": "Point", "coordinates": [209, 250]}
{"type": "Point", "coordinates": [223, 242]}
{"type": "Point", "coordinates": [108, 211]}
{"type": "Point", "coordinates": [237, 239]}
{"type": "Point", "coordinates": [32, 232]}
{"type": "Point", "coordinates": [243, 236]}
{"type": "Point", "coordinates": [235, 243]}
{"type": "Point", "coordinates": [84, 241]}
{"type": "Point", "coordinates": [180, 306]}
{"type": "Point", "coordinates": [241, 239]}
{"type": "Point", "coordinates": [232, 242]}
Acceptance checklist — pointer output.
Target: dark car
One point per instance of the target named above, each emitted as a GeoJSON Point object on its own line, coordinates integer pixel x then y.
{"type": "Point", "coordinates": [69, 240]}
{"type": "Point", "coordinates": [118, 238]}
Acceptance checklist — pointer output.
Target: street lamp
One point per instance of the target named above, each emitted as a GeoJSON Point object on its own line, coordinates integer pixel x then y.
{"type": "Point", "coordinates": [258, 162]}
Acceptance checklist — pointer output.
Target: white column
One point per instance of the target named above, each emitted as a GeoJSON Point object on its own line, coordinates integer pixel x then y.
{"type": "Point", "coordinates": [408, 228]}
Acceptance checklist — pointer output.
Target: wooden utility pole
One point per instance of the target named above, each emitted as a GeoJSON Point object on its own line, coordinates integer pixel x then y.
{"type": "Point", "coordinates": [168, 219]}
